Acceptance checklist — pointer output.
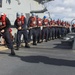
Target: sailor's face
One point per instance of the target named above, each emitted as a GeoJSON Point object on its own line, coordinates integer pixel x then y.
{"type": "Point", "coordinates": [18, 16]}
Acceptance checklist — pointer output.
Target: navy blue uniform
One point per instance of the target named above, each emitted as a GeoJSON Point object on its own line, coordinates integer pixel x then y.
{"type": "Point", "coordinates": [45, 29]}
{"type": "Point", "coordinates": [32, 29]}
{"type": "Point", "coordinates": [6, 35]}
{"type": "Point", "coordinates": [63, 29]}
{"type": "Point", "coordinates": [19, 22]}
{"type": "Point", "coordinates": [52, 29]}
{"type": "Point", "coordinates": [39, 24]}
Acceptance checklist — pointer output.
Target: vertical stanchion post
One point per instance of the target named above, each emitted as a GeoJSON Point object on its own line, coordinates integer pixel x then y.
{"type": "Point", "coordinates": [73, 47]}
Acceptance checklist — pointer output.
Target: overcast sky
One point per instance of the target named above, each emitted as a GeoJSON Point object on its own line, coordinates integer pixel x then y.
{"type": "Point", "coordinates": [62, 9]}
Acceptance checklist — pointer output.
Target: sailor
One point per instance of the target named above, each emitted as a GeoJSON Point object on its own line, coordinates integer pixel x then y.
{"type": "Point", "coordinates": [32, 25]}
{"type": "Point", "coordinates": [45, 24]}
{"type": "Point", "coordinates": [52, 30]}
{"type": "Point", "coordinates": [39, 25]}
{"type": "Point", "coordinates": [63, 28]}
{"type": "Point", "coordinates": [20, 24]}
{"type": "Point", "coordinates": [58, 22]}
{"type": "Point", "coordinates": [67, 27]}
{"type": "Point", "coordinates": [4, 30]}
{"type": "Point", "coordinates": [73, 27]}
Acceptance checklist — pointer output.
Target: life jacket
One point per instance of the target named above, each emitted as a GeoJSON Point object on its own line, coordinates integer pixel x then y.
{"type": "Point", "coordinates": [46, 22]}
{"type": "Point", "coordinates": [39, 20]}
{"type": "Point", "coordinates": [63, 24]}
{"type": "Point", "coordinates": [32, 21]}
{"type": "Point", "coordinates": [52, 23]}
{"type": "Point", "coordinates": [67, 25]}
{"type": "Point", "coordinates": [20, 21]}
{"type": "Point", "coordinates": [73, 25]}
{"type": "Point", "coordinates": [2, 22]}
{"type": "Point", "coordinates": [10, 30]}
{"type": "Point", "coordinates": [58, 22]}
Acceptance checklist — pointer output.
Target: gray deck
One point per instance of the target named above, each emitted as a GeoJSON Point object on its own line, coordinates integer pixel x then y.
{"type": "Point", "coordinates": [48, 58]}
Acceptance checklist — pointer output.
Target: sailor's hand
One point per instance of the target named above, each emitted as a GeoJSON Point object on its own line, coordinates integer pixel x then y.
{"type": "Point", "coordinates": [44, 26]}
{"type": "Point", "coordinates": [30, 28]}
{"type": "Point", "coordinates": [2, 31]}
{"type": "Point", "coordinates": [38, 26]}
{"type": "Point", "coordinates": [19, 28]}
{"type": "Point", "coordinates": [34, 26]}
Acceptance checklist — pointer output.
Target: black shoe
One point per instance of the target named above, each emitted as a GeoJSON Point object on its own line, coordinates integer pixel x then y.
{"type": "Point", "coordinates": [49, 39]}
{"type": "Point", "coordinates": [42, 41]}
{"type": "Point", "coordinates": [38, 42]}
{"type": "Point", "coordinates": [34, 43]}
{"type": "Point", "coordinates": [45, 40]}
{"type": "Point", "coordinates": [12, 52]}
{"type": "Point", "coordinates": [17, 48]}
{"type": "Point", "coordinates": [27, 46]}
{"type": "Point", "coordinates": [52, 38]}
{"type": "Point", "coordinates": [56, 37]}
